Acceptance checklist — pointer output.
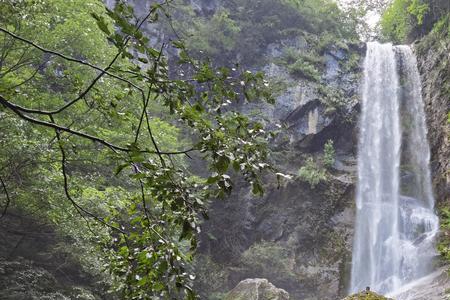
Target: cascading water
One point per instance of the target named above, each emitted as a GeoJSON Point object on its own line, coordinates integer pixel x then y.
{"type": "Point", "coordinates": [395, 221]}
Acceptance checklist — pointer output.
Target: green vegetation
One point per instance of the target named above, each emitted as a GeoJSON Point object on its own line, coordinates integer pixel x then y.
{"type": "Point", "coordinates": [366, 296]}
{"type": "Point", "coordinates": [312, 173]}
{"type": "Point", "coordinates": [243, 28]}
{"type": "Point", "coordinates": [210, 277]}
{"type": "Point", "coordinates": [122, 147]}
{"type": "Point", "coordinates": [397, 21]}
{"type": "Point", "coordinates": [329, 154]}
{"type": "Point", "coordinates": [332, 98]}
{"type": "Point", "coordinates": [301, 64]}
{"type": "Point", "coordinates": [406, 19]}
{"type": "Point", "coordinates": [217, 35]}
{"type": "Point", "coordinates": [315, 171]}
{"type": "Point", "coordinates": [352, 63]}
{"type": "Point", "coordinates": [444, 241]}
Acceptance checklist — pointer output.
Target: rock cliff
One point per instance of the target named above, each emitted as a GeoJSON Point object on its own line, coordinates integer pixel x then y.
{"type": "Point", "coordinates": [433, 55]}
{"type": "Point", "coordinates": [298, 236]}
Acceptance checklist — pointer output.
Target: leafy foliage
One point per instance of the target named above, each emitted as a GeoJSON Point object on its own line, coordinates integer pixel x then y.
{"type": "Point", "coordinates": [329, 154]}
{"type": "Point", "coordinates": [396, 21]}
{"type": "Point", "coordinates": [247, 27]}
{"type": "Point", "coordinates": [312, 173]}
{"type": "Point", "coordinates": [301, 64]}
{"type": "Point", "coordinates": [418, 9]}
{"type": "Point", "coordinates": [404, 19]}
{"type": "Point", "coordinates": [444, 241]}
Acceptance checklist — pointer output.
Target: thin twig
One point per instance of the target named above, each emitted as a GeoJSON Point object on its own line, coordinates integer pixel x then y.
{"type": "Point", "coordinates": [81, 211]}
{"type": "Point", "coordinates": [68, 58]}
{"type": "Point", "coordinates": [28, 79]}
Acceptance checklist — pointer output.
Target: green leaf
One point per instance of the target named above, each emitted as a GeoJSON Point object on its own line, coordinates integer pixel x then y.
{"type": "Point", "coordinates": [101, 23]}
{"type": "Point", "coordinates": [120, 168]}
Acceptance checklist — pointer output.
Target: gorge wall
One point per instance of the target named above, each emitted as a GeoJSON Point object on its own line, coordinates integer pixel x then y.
{"type": "Point", "coordinates": [298, 236]}
{"type": "Point", "coordinates": [433, 55]}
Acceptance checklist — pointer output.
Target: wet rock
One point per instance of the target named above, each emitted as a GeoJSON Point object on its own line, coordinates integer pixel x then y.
{"type": "Point", "coordinates": [432, 287]}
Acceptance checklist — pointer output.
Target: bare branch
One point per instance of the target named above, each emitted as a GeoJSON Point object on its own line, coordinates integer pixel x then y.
{"type": "Point", "coordinates": [8, 199]}
{"type": "Point", "coordinates": [144, 110]}
{"type": "Point", "coordinates": [18, 112]}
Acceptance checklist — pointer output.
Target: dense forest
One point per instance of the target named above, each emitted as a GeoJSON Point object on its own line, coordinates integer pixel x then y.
{"type": "Point", "coordinates": [164, 149]}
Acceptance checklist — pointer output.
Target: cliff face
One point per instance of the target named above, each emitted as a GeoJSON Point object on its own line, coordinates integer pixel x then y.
{"type": "Point", "coordinates": [298, 236]}
{"type": "Point", "coordinates": [433, 55]}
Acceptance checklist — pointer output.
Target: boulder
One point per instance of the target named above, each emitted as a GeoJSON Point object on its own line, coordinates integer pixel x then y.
{"type": "Point", "coordinates": [256, 289]}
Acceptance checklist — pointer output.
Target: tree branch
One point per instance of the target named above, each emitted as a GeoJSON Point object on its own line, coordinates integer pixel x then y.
{"type": "Point", "coordinates": [8, 199]}
{"type": "Point", "coordinates": [81, 211]}
{"type": "Point", "coordinates": [28, 79]}
{"type": "Point", "coordinates": [115, 148]}
{"type": "Point", "coordinates": [68, 58]}
{"type": "Point", "coordinates": [18, 112]}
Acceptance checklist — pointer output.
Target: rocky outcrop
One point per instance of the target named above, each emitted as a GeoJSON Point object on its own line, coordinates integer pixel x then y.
{"type": "Point", "coordinates": [256, 289]}
{"type": "Point", "coordinates": [432, 287]}
{"type": "Point", "coordinates": [433, 56]}
{"type": "Point", "coordinates": [297, 237]}
{"type": "Point", "coordinates": [312, 111]}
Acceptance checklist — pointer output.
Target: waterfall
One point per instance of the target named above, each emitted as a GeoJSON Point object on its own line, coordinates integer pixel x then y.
{"type": "Point", "coordinates": [395, 220]}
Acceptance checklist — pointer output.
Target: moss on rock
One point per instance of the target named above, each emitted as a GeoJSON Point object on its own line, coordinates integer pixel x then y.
{"type": "Point", "coordinates": [366, 295]}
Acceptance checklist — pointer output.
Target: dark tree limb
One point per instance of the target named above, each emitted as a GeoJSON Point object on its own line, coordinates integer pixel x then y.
{"type": "Point", "coordinates": [8, 199]}
{"type": "Point", "coordinates": [87, 90]}
{"type": "Point", "coordinates": [18, 112]}
{"type": "Point", "coordinates": [63, 56]}
{"type": "Point", "coordinates": [14, 108]}
{"type": "Point", "coordinates": [92, 84]}
{"type": "Point", "coordinates": [144, 111]}
{"type": "Point", "coordinates": [145, 100]}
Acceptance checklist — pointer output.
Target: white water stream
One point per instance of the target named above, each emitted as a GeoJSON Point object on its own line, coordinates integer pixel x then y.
{"type": "Point", "coordinates": [395, 220]}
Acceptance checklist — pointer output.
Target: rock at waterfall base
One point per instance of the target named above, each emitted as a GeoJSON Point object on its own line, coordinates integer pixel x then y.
{"type": "Point", "coordinates": [366, 295]}
{"type": "Point", "coordinates": [256, 289]}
